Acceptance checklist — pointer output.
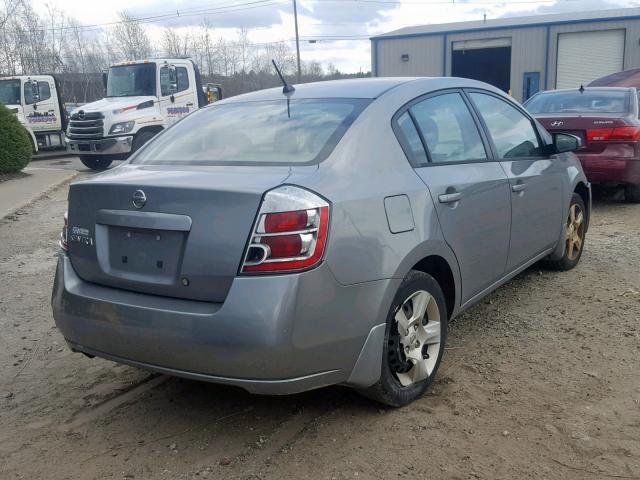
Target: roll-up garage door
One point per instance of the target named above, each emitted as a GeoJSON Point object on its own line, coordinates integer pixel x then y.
{"type": "Point", "coordinates": [585, 56]}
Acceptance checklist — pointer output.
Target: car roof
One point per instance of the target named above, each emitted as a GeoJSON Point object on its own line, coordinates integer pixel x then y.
{"type": "Point", "coordinates": [349, 88]}
{"type": "Point", "coordinates": [370, 88]}
{"type": "Point", "coordinates": [588, 89]}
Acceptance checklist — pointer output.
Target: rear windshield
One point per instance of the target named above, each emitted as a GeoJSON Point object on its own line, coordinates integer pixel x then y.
{"type": "Point", "coordinates": [589, 101]}
{"type": "Point", "coordinates": [301, 132]}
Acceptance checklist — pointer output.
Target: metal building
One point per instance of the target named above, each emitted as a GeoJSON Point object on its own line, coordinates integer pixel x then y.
{"type": "Point", "coordinates": [521, 55]}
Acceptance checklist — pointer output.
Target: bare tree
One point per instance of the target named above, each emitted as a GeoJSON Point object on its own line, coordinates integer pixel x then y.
{"type": "Point", "coordinates": [176, 43]}
{"type": "Point", "coordinates": [132, 40]}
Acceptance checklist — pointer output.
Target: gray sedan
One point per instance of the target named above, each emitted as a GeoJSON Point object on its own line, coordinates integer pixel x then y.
{"type": "Point", "coordinates": [284, 241]}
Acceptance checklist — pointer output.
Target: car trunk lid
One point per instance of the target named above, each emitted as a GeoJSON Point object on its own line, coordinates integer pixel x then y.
{"type": "Point", "coordinates": [179, 232]}
{"type": "Point", "coordinates": [593, 131]}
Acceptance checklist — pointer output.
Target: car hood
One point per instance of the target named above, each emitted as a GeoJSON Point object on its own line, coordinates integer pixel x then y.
{"type": "Point", "coordinates": [114, 103]}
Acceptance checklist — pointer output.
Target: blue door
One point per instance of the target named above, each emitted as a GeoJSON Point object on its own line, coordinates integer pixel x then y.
{"type": "Point", "coordinates": [531, 85]}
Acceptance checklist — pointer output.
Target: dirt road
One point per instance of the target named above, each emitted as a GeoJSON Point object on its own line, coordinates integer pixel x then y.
{"type": "Point", "coordinates": [542, 380]}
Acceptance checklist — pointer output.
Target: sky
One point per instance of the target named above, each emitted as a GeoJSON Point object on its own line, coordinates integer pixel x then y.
{"type": "Point", "coordinates": [340, 28]}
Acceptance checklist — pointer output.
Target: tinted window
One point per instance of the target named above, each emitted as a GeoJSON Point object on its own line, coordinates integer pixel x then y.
{"type": "Point", "coordinates": [182, 79]}
{"type": "Point", "coordinates": [590, 101]}
{"type": "Point", "coordinates": [412, 138]}
{"type": "Point", "coordinates": [448, 129]}
{"type": "Point", "coordinates": [512, 132]}
{"type": "Point", "coordinates": [272, 133]}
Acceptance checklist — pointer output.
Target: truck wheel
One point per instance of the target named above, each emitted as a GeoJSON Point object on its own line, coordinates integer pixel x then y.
{"type": "Point", "coordinates": [95, 162]}
{"type": "Point", "coordinates": [413, 343]}
{"type": "Point", "coordinates": [140, 139]}
{"type": "Point", "coordinates": [632, 193]}
{"type": "Point", "coordinates": [575, 231]}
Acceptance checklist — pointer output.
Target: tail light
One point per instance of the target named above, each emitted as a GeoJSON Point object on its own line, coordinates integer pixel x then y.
{"type": "Point", "coordinates": [290, 233]}
{"type": "Point", "coordinates": [629, 134]}
{"type": "Point", "coordinates": [63, 235]}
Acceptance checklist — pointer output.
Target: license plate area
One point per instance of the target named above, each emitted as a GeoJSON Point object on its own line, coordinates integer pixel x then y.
{"type": "Point", "coordinates": [145, 255]}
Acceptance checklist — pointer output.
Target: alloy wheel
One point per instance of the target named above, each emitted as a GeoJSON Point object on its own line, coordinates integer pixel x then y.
{"type": "Point", "coordinates": [575, 231]}
{"type": "Point", "coordinates": [414, 340]}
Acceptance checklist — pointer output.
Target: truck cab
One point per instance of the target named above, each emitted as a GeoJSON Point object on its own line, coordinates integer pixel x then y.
{"type": "Point", "coordinates": [143, 97]}
{"type": "Point", "coordinates": [36, 101]}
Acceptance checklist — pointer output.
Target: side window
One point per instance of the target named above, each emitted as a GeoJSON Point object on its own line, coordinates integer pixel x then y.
{"type": "Point", "coordinates": [512, 132]}
{"type": "Point", "coordinates": [412, 138]}
{"type": "Point", "coordinates": [28, 94]}
{"type": "Point", "coordinates": [182, 77]}
{"type": "Point", "coordinates": [448, 129]}
{"type": "Point", "coordinates": [45, 91]}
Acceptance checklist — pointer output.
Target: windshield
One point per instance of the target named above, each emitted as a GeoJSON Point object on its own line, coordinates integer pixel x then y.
{"type": "Point", "coordinates": [132, 80]}
{"type": "Point", "coordinates": [10, 92]}
{"type": "Point", "coordinates": [268, 133]}
{"type": "Point", "coordinates": [589, 101]}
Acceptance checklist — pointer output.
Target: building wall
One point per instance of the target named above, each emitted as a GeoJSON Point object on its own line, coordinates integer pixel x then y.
{"type": "Point", "coordinates": [529, 51]}
{"type": "Point", "coordinates": [425, 57]}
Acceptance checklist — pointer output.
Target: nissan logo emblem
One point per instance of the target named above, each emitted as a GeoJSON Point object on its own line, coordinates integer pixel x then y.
{"type": "Point", "coordinates": [139, 199]}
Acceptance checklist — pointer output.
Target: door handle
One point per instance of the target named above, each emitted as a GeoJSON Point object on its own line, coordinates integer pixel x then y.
{"type": "Point", "coordinates": [450, 197]}
{"type": "Point", "coordinates": [189, 104]}
{"type": "Point", "coordinates": [518, 187]}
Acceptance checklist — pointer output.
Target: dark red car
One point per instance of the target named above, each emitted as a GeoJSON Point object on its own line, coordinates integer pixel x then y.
{"type": "Point", "coordinates": [606, 120]}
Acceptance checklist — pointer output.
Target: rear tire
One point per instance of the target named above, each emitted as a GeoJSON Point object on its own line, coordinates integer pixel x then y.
{"type": "Point", "coordinates": [95, 162]}
{"type": "Point", "coordinates": [574, 235]}
{"type": "Point", "coordinates": [632, 193]}
{"type": "Point", "coordinates": [410, 361]}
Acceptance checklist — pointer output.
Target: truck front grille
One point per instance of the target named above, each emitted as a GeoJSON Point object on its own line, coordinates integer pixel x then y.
{"type": "Point", "coordinates": [86, 126]}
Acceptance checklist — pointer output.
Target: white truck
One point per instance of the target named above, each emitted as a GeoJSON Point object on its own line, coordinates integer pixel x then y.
{"type": "Point", "coordinates": [36, 101]}
{"type": "Point", "coordinates": [143, 97]}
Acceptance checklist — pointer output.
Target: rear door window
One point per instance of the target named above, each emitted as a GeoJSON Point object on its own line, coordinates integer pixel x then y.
{"type": "Point", "coordinates": [412, 144]}
{"type": "Point", "coordinates": [512, 132]}
{"type": "Point", "coordinates": [449, 130]}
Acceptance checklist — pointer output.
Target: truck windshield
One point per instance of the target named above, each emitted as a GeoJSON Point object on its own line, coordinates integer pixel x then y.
{"type": "Point", "coordinates": [10, 92]}
{"type": "Point", "coordinates": [589, 101]}
{"type": "Point", "coordinates": [132, 80]}
{"type": "Point", "coordinates": [303, 132]}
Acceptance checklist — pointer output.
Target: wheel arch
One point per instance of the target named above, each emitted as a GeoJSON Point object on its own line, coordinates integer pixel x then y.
{"type": "Point", "coordinates": [438, 260]}
{"type": "Point", "coordinates": [582, 190]}
{"type": "Point", "coordinates": [151, 128]}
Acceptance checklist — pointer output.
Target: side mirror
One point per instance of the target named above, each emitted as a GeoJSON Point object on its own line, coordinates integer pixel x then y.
{"type": "Point", "coordinates": [35, 91]}
{"type": "Point", "coordinates": [565, 142]}
{"type": "Point", "coordinates": [173, 79]}
{"type": "Point", "coordinates": [105, 77]}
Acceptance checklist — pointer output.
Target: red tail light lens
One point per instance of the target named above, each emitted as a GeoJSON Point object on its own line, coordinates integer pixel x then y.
{"type": "Point", "coordinates": [285, 221]}
{"type": "Point", "coordinates": [629, 134]}
{"type": "Point", "coordinates": [63, 235]}
{"type": "Point", "coordinates": [291, 240]}
{"type": "Point", "coordinates": [626, 133]}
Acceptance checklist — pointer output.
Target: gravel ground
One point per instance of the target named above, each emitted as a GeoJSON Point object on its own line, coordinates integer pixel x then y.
{"type": "Point", "coordinates": [541, 380]}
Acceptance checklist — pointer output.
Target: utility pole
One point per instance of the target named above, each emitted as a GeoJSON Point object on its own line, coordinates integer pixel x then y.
{"type": "Point", "coordinates": [295, 17]}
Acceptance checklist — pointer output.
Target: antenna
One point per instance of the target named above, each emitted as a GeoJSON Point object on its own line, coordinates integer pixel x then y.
{"type": "Point", "coordinates": [287, 88]}
{"type": "Point", "coordinates": [581, 89]}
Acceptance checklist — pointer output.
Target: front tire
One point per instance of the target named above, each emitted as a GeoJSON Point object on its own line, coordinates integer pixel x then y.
{"type": "Point", "coordinates": [632, 193]}
{"type": "Point", "coordinates": [574, 237]}
{"type": "Point", "coordinates": [95, 162]}
{"type": "Point", "coordinates": [140, 139]}
{"type": "Point", "coordinates": [414, 341]}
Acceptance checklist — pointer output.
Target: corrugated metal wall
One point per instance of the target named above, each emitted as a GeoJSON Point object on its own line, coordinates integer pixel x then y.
{"type": "Point", "coordinates": [528, 51]}
{"type": "Point", "coordinates": [425, 57]}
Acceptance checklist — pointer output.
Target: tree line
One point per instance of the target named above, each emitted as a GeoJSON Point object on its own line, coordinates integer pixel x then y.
{"type": "Point", "coordinates": [50, 41]}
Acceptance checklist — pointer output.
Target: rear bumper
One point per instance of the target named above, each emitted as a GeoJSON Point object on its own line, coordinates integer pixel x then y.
{"type": "Point", "coordinates": [611, 170]}
{"type": "Point", "coordinates": [104, 146]}
{"type": "Point", "coordinates": [272, 335]}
